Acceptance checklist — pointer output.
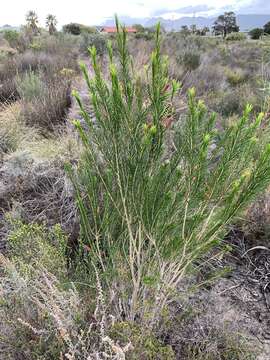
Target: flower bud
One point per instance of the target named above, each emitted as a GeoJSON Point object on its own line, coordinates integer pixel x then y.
{"type": "Point", "coordinates": [192, 92]}
{"type": "Point", "coordinates": [153, 130]}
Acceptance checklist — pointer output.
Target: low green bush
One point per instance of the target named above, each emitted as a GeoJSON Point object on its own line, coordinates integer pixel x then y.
{"type": "Point", "coordinates": [191, 60]}
{"type": "Point", "coordinates": [233, 101]}
{"type": "Point", "coordinates": [29, 86]}
{"type": "Point", "coordinates": [72, 28]}
{"type": "Point", "coordinates": [12, 37]}
{"type": "Point", "coordinates": [236, 36]}
{"type": "Point", "coordinates": [235, 77]}
{"type": "Point", "coordinates": [88, 40]}
{"type": "Point", "coordinates": [256, 33]}
{"type": "Point", "coordinates": [77, 29]}
{"type": "Point", "coordinates": [32, 245]}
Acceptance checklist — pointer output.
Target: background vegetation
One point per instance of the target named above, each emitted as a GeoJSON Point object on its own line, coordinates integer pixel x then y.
{"type": "Point", "coordinates": [119, 204]}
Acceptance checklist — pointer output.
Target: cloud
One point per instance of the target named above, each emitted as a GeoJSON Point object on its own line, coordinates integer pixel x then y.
{"type": "Point", "coordinates": [256, 7]}
{"type": "Point", "coordinates": [184, 10]}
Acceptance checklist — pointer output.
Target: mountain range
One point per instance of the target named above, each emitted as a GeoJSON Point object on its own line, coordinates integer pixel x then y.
{"type": "Point", "coordinates": [245, 22]}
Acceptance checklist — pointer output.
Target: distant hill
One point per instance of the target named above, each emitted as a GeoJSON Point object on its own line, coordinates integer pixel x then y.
{"type": "Point", "coordinates": [245, 22]}
{"type": "Point", "coordinates": [8, 27]}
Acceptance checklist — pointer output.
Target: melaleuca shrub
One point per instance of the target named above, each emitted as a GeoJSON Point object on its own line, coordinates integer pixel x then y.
{"type": "Point", "coordinates": [148, 214]}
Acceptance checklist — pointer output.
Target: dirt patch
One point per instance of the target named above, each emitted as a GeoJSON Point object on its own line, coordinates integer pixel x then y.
{"type": "Point", "coordinates": [232, 310]}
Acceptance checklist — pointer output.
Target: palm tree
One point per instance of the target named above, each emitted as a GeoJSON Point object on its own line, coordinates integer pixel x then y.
{"type": "Point", "coordinates": [51, 23]}
{"type": "Point", "coordinates": [32, 21]}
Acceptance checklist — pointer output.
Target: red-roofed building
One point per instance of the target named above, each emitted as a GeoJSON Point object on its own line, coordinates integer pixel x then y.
{"type": "Point", "coordinates": [112, 29]}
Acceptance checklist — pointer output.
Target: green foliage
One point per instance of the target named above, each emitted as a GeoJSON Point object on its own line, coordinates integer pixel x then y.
{"type": "Point", "coordinates": [77, 29]}
{"type": "Point", "coordinates": [233, 101]}
{"type": "Point", "coordinates": [88, 29]}
{"type": "Point", "coordinates": [144, 219]}
{"type": "Point", "coordinates": [236, 36]}
{"type": "Point", "coordinates": [143, 32]}
{"type": "Point", "coordinates": [225, 24]}
{"type": "Point", "coordinates": [72, 28]}
{"type": "Point", "coordinates": [32, 22]}
{"type": "Point", "coordinates": [256, 33]}
{"type": "Point", "coordinates": [12, 37]}
{"type": "Point", "coordinates": [228, 347]}
{"type": "Point", "coordinates": [32, 245]}
{"type": "Point", "coordinates": [266, 28]}
{"type": "Point", "coordinates": [144, 343]}
{"type": "Point", "coordinates": [29, 86]}
{"type": "Point", "coordinates": [191, 60]}
{"type": "Point", "coordinates": [51, 23]}
{"type": "Point", "coordinates": [235, 77]}
{"type": "Point", "coordinates": [97, 40]}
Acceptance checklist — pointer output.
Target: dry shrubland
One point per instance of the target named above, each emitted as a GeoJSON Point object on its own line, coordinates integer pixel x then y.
{"type": "Point", "coordinates": [119, 214]}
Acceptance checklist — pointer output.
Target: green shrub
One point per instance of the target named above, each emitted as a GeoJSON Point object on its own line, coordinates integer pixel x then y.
{"type": "Point", "coordinates": [266, 28]}
{"type": "Point", "coordinates": [146, 35]}
{"type": "Point", "coordinates": [72, 28]}
{"type": "Point", "coordinates": [32, 245]}
{"type": "Point", "coordinates": [235, 77]}
{"type": "Point", "coordinates": [256, 33]}
{"type": "Point", "coordinates": [12, 37]}
{"type": "Point", "coordinates": [233, 101]}
{"type": "Point", "coordinates": [145, 344]}
{"type": "Point", "coordinates": [29, 86]}
{"type": "Point", "coordinates": [236, 36]}
{"type": "Point", "coordinates": [147, 213]}
{"type": "Point", "coordinates": [88, 29]}
{"type": "Point", "coordinates": [88, 40]}
{"type": "Point", "coordinates": [191, 60]}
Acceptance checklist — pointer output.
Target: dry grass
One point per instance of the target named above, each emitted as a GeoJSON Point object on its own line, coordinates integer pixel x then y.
{"type": "Point", "coordinates": [14, 134]}
{"type": "Point", "coordinates": [50, 321]}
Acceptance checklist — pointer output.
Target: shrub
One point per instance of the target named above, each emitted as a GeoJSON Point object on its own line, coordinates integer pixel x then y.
{"type": "Point", "coordinates": [47, 110]}
{"type": "Point", "coordinates": [234, 101]}
{"type": "Point", "coordinates": [266, 28]}
{"type": "Point", "coordinates": [45, 319]}
{"type": "Point", "coordinates": [8, 91]}
{"type": "Point", "coordinates": [29, 86]}
{"type": "Point", "coordinates": [12, 37]}
{"type": "Point", "coordinates": [13, 133]}
{"type": "Point", "coordinates": [88, 40]}
{"type": "Point", "coordinates": [256, 33]}
{"type": "Point", "coordinates": [32, 245]}
{"type": "Point", "coordinates": [236, 36]}
{"type": "Point", "coordinates": [88, 29]}
{"type": "Point", "coordinates": [191, 60]}
{"type": "Point", "coordinates": [228, 346]}
{"type": "Point", "coordinates": [72, 28]}
{"type": "Point", "coordinates": [146, 35]}
{"type": "Point", "coordinates": [145, 345]}
{"type": "Point", "coordinates": [147, 214]}
{"type": "Point", "coordinates": [44, 62]}
{"type": "Point", "coordinates": [236, 77]}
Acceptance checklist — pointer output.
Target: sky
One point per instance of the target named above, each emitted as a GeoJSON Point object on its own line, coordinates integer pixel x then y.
{"type": "Point", "coordinates": [92, 12]}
